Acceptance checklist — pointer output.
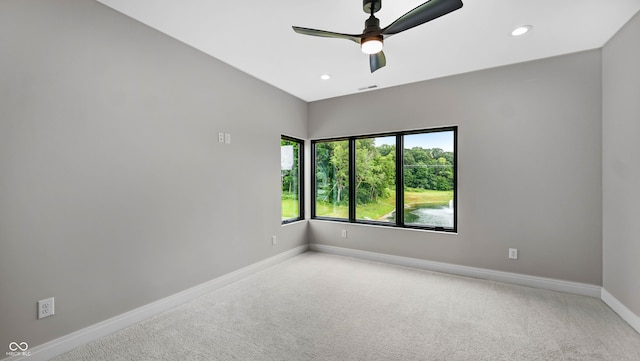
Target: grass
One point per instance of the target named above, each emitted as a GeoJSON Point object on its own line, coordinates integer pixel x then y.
{"type": "Point", "coordinates": [421, 196]}
{"type": "Point", "coordinates": [324, 209]}
{"type": "Point", "coordinates": [289, 208]}
{"type": "Point", "coordinates": [378, 210]}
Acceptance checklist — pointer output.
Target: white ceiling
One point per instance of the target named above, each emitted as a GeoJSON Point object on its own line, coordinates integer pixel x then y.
{"type": "Point", "coordinates": [256, 37]}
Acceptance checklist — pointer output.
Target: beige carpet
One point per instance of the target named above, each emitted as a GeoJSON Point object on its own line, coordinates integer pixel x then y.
{"type": "Point", "coordinates": [325, 307]}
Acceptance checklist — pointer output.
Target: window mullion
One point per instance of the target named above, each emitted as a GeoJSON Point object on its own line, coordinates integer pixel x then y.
{"type": "Point", "coordinates": [399, 180]}
{"type": "Point", "coordinates": [352, 179]}
{"type": "Point", "coordinates": [301, 165]}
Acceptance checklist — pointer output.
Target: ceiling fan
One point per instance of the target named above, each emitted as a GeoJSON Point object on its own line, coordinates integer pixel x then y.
{"type": "Point", "coordinates": [372, 37]}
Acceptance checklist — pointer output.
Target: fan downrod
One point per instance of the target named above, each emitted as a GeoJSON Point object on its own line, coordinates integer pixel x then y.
{"type": "Point", "coordinates": [368, 4]}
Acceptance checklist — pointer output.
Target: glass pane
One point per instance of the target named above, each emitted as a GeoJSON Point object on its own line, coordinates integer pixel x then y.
{"type": "Point", "coordinates": [375, 179]}
{"type": "Point", "coordinates": [429, 179]}
{"type": "Point", "coordinates": [290, 178]}
{"type": "Point", "coordinates": [332, 179]}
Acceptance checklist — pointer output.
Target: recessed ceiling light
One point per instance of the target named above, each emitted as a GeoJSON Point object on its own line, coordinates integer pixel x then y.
{"type": "Point", "coordinates": [325, 76]}
{"type": "Point", "coordinates": [521, 30]}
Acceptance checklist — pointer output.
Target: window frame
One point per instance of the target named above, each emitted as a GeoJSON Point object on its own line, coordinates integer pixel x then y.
{"type": "Point", "coordinates": [399, 178]}
{"type": "Point", "coordinates": [301, 188]}
{"type": "Point", "coordinates": [313, 178]}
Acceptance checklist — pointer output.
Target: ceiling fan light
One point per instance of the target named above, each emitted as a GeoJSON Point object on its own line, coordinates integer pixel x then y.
{"type": "Point", "coordinates": [372, 45]}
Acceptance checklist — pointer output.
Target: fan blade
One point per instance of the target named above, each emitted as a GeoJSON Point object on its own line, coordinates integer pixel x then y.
{"type": "Point", "coordinates": [426, 12]}
{"type": "Point", "coordinates": [326, 34]}
{"type": "Point", "coordinates": [377, 61]}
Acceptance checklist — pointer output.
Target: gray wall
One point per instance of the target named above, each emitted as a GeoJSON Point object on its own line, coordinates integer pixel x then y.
{"type": "Point", "coordinates": [113, 189]}
{"type": "Point", "coordinates": [529, 147]}
{"type": "Point", "coordinates": [620, 165]}
{"type": "Point", "coordinates": [115, 193]}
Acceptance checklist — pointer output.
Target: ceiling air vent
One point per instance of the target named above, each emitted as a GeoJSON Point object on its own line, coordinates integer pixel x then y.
{"type": "Point", "coordinates": [368, 87]}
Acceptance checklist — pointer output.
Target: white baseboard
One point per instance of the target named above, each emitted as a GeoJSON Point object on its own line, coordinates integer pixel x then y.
{"type": "Point", "coordinates": [515, 278]}
{"type": "Point", "coordinates": [622, 310]}
{"type": "Point", "coordinates": [76, 339]}
{"type": "Point", "coordinates": [507, 277]}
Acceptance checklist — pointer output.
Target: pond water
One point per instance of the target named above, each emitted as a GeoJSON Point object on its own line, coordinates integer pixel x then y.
{"type": "Point", "coordinates": [426, 214]}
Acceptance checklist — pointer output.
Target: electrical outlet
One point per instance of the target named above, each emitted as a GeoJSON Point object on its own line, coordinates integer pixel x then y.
{"type": "Point", "coordinates": [46, 308]}
{"type": "Point", "coordinates": [221, 137]}
{"type": "Point", "coordinates": [344, 233]}
{"type": "Point", "coordinates": [513, 253]}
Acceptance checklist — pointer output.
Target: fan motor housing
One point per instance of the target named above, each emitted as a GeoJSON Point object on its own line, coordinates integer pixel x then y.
{"type": "Point", "coordinates": [371, 27]}
{"type": "Point", "coordinates": [367, 4]}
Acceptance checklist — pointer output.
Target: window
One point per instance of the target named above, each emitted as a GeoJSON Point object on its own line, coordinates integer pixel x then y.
{"type": "Point", "coordinates": [291, 175]}
{"type": "Point", "coordinates": [429, 181]}
{"type": "Point", "coordinates": [331, 179]}
{"type": "Point", "coordinates": [405, 179]}
{"type": "Point", "coordinates": [375, 181]}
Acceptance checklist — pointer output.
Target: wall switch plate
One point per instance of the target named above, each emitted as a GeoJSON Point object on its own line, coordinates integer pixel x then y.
{"type": "Point", "coordinates": [344, 233]}
{"type": "Point", "coordinates": [513, 253]}
{"type": "Point", "coordinates": [221, 137]}
{"type": "Point", "coordinates": [45, 308]}
{"type": "Point", "coordinates": [274, 240]}
{"type": "Point", "coordinates": [227, 138]}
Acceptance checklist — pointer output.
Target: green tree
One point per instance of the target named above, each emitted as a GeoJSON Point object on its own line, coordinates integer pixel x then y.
{"type": "Point", "coordinates": [340, 162]}
{"type": "Point", "coordinates": [429, 169]}
{"type": "Point", "coordinates": [375, 172]}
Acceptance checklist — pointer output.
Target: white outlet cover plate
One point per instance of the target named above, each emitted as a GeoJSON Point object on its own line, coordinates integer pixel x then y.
{"type": "Point", "coordinates": [46, 308]}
